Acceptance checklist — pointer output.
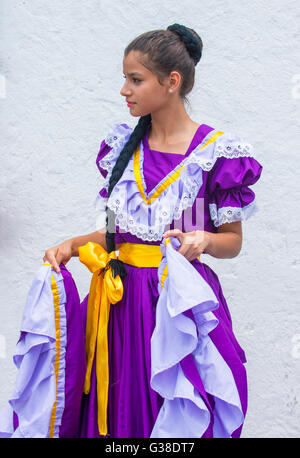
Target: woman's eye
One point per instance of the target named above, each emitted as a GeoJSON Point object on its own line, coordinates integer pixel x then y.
{"type": "Point", "coordinates": [135, 80]}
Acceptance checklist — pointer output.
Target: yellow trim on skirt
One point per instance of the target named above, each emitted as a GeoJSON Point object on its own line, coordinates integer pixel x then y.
{"type": "Point", "coordinates": [105, 290]}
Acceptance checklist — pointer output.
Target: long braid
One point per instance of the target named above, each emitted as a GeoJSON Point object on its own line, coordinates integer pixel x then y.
{"type": "Point", "coordinates": [131, 145]}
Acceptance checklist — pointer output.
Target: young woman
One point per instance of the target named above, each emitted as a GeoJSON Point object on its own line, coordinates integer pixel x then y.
{"type": "Point", "coordinates": [168, 179]}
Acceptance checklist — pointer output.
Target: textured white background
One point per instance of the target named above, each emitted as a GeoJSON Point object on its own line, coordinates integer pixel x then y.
{"type": "Point", "coordinates": [60, 77]}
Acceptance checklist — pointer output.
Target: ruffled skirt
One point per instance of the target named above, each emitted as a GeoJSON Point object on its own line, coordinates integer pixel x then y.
{"type": "Point", "coordinates": [133, 406]}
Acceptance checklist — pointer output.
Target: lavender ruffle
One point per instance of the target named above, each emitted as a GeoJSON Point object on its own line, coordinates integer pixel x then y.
{"type": "Point", "coordinates": [35, 387]}
{"type": "Point", "coordinates": [185, 290]}
{"type": "Point", "coordinates": [50, 361]}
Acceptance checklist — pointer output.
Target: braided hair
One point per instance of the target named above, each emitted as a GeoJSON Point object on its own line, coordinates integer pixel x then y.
{"type": "Point", "coordinates": [162, 51]}
{"type": "Point", "coordinates": [190, 40]}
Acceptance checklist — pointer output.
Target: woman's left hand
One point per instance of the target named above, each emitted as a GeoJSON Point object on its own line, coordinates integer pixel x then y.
{"type": "Point", "coordinates": [192, 243]}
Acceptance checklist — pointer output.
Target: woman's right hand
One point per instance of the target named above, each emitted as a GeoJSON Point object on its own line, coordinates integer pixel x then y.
{"type": "Point", "coordinates": [61, 253]}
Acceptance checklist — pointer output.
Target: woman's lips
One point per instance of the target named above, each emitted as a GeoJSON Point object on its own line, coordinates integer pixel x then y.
{"type": "Point", "coordinates": [129, 104]}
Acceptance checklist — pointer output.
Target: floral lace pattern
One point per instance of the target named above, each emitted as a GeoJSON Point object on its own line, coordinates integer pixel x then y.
{"type": "Point", "coordinates": [148, 221]}
{"type": "Point", "coordinates": [231, 214]}
{"type": "Point", "coordinates": [165, 213]}
{"type": "Point", "coordinates": [232, 147]}
{"type": "Point", "coordinates": [225, 146]}
{"type": "Point", "coordinates": [116, 139]}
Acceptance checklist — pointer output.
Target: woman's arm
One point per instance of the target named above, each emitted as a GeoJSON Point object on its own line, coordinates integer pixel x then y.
{"type": "Point", "coordinates": [63, 252]}
{"type": "Point", "coordinates": [96, 237]}
{"type": "Point", "coordinates": [227, 242]}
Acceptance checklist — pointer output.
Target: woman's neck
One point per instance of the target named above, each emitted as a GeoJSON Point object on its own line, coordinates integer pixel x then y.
{"type": "Point", "coordinates": [171, 125]}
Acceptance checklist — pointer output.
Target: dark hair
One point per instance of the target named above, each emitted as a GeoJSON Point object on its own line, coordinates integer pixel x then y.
{"type": "Point", "coordinates": [161, 51]}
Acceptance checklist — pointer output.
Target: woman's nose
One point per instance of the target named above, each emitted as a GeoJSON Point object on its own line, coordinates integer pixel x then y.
{"type": "Point", "coordinates": [124, 90]}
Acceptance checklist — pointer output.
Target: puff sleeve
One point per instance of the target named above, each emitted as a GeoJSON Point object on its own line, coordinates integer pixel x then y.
{"type": "Point", "coordinates": [101, 159]}
{"type": "Point", "coordinates": [229, 195]}
{"type": "Point", "coordinates": [109, 151]}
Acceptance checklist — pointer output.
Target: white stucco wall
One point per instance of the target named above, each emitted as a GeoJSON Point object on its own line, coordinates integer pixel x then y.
{"type": "Point", "coordinates": [60, 77]}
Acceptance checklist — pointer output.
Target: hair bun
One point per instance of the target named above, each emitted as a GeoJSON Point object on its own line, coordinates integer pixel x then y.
{"type": "Point", "coordinates": [192, 44]}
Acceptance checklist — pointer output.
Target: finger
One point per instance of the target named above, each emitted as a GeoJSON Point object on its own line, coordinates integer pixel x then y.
{"type": "Point", "coordinates": [61, 259]}
{"type": "Point", "coordinates": [172, 233]}
{"type": "Point", "coordinates": [54, 263]}
{"type": "Point", "coordinates": [45, 259]}
{"type": "Point", "coordinates": [58, 262]}
{"type": "Point", "coordinates": [188, 248]}
{"type": "Point", "coordinates": [183, 249]}
{"type": "Point", "coordinates": [188, 255]}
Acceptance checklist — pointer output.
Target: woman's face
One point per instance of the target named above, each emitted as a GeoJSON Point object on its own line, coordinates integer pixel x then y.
{"type": "Point", "coordinates": [142, 87]}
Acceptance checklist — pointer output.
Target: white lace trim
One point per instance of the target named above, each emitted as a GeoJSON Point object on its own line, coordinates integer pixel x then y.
{"type": "Point", "coordinates": [232, 147]}
{"type": "Point", "coordinates": [148, 232]}
{"type": "Point", "coordinates": [133, 215]}
{"type": "Point", "coordinates": [116, 139]}
{"type": "Point", "coordinates": [231, 214]}
{"type": "Point", "coordinates": [148, 222]}
{"type": "Point", "coordinates": [225, 146]}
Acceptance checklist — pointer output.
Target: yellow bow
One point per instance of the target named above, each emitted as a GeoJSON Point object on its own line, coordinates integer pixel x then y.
{"type": "Point", "coordinates": [104, 290]}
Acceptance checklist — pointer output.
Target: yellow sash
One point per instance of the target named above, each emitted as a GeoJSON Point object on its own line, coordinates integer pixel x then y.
{"type": "Point", "coordinates": [106, 290]}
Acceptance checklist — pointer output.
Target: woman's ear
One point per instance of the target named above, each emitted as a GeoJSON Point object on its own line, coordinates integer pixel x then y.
{"type": "Point", "coordinates": [174, 80]}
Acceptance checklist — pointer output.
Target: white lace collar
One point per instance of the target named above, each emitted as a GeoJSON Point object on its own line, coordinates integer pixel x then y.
{"type": "Point", "coordinates": [145, 215]}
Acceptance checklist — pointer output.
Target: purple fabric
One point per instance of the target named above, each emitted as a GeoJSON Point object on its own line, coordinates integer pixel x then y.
{"type": "Point", "coordinates": [103, 151]}
{"type": "Point", "coordinates": [132, 404]}
{"type": "Point", "coordinates": [226, 184]}
{"type": "Point", "coordinates": [191, 373]}
{"type": "Point", "coordinates": [158, 164]}
{"type": "Point", "coordinates": [229, 179]}
{"type": "Point", "coordinates": [75, 359]}
{"type": "Point", "coordinates": [37, 389]}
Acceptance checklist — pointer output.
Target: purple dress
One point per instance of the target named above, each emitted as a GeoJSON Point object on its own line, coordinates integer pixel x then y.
{"type": "Point", "coordinates": [212, 189]}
